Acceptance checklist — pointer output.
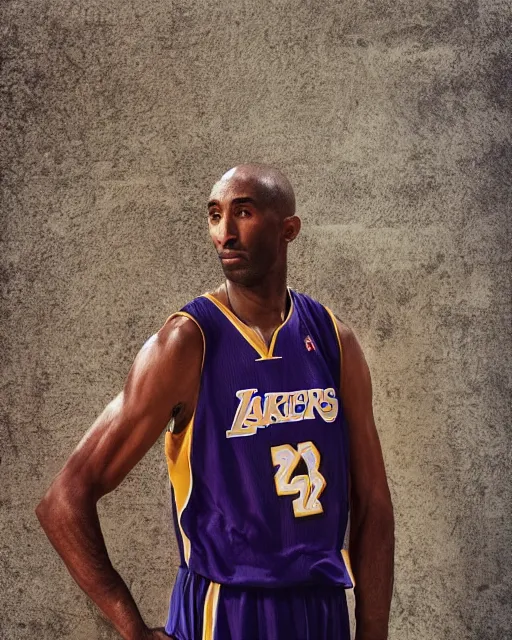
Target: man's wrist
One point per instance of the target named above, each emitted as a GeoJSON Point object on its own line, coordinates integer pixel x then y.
{"type": "Point", "coordinates": [141, 632]}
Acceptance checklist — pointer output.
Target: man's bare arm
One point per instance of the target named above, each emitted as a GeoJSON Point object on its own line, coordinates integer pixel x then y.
{"type": "Point", "coordinates": [371, 511]}
{"type": "Point", "coordinates": [163, 381]}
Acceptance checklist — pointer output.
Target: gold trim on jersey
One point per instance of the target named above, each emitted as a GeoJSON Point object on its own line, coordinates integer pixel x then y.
{"type": "Point", "coordinates": [338, 337]}
{"type": "Point", "coordinates": [252, 337]}
{"type": "Point", "coordinates": [177, 452]}
{"type": "Point", "coordinates": [348, 565]}
{"type": "Point", "coordinates": [211, 603]}
{"type": "Point", "coordinates": [344, 552]}
{"type": "Point", "coordinates": [178, 448]}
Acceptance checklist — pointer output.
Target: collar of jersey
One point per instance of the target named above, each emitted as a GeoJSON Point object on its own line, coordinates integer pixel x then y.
{"type": "Point", "coordinates": [253, 338]}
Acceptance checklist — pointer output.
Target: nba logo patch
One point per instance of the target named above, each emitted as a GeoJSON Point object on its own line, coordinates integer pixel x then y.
{"type": "Point", "coordinates": [309, 343]}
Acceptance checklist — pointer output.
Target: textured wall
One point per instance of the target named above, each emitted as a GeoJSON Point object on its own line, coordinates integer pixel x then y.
{"type": "Point", "coordinates": [393, 122]}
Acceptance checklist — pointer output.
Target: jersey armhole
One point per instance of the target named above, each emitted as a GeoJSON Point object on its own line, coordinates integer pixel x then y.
{"type": "Point", "coordinates": [338, 338]}
{"type": "Point", "coordinates": [179, 459]}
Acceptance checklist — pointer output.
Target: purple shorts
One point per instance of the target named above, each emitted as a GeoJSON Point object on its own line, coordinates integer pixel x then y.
{"type": "Point", "coordinates": [204, 610]}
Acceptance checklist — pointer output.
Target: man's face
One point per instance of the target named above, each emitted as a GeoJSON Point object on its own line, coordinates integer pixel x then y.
{"type": "Point", "coordinates": [245, 229]}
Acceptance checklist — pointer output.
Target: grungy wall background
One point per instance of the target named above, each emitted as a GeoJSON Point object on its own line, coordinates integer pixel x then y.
{"type": "Point", "coordinates": [392, 120]}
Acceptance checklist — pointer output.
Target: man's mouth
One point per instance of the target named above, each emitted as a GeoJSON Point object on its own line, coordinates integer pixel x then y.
{"type": "Point", "coordinates": [232, 257]}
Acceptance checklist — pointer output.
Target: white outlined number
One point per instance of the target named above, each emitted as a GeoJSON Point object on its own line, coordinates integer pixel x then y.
{"type": "Point", "coordinates": [309, 487]}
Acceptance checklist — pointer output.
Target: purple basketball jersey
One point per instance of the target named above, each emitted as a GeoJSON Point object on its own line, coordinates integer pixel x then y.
{"type": "Point", "coordinates": [260, 475]}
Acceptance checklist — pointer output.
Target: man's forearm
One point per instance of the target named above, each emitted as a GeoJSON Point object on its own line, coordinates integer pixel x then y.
{"type": "Point", "coordinates": [70, 520]}
{"type": "Point", "coordinates": [372, 558]}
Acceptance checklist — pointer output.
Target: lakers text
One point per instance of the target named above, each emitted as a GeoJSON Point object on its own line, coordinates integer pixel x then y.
{"type": "Point", "coordinates": [255, 411]}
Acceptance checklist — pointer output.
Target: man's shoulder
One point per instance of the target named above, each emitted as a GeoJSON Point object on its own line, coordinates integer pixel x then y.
{"type": "Point", "coordinates": [180, 330]}
{"type": "Point", "coordinates": [317, 303]}
{"type": "Point", "coordinates": [309, 303]}
{"type": "Point", "coordinates": [345, 333]}
{"type": "Point", "coordinates": [187, 324]}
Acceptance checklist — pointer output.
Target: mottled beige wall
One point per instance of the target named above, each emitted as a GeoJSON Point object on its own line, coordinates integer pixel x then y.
{"type": "Point", "coordinates": [393, 122]}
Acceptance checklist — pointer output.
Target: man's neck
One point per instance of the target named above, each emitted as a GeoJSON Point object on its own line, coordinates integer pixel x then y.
{"type": "Point", "coordinates": [262, 308]}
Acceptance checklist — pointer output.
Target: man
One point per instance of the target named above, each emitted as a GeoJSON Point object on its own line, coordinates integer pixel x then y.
{"type": "Point", "coordinates": [269, 405]}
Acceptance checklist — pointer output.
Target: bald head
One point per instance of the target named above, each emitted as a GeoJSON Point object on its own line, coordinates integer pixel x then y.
{"type": "Point", "coordinates": [272, 186]}
{"type": "Point", "coordinates": [251, 220]}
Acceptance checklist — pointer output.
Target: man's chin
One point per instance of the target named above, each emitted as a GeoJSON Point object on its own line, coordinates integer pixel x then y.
{"type": "Point", "coordinates": [239, 275]}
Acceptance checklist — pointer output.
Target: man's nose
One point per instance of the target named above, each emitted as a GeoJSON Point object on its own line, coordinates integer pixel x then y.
{"type": "Point", "coordinates": [226, 230]}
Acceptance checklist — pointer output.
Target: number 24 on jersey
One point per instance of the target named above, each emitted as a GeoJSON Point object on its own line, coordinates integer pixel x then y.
{"type": "Point", "coordinates": [309, 487]}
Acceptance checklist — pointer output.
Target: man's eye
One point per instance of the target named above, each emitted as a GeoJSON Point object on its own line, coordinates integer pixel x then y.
{"type": "Point", "coordinates": [214, 216]}
{"type": "Point", "coordinates": [244, 213]}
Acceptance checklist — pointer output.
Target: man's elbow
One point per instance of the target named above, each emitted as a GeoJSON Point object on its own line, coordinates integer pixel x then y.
{"type": "Point", "coordinates": [66, 496]}
{"type": "Point", "coordinates": [42, 510]}
{"type": "Point", "coordinates": [52, 506]}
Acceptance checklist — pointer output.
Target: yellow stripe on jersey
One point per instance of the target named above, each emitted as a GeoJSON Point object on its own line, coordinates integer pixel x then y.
{"type": "Point", "coordinates": [211, 603]}
{"type": "Point", "coordinates": [274, 335]}
{"type": "Point", "coordinates": [177, 452]}
{"type": "Point", "coordinates": [253, 338]}
{"type": "Point", "coordinates": [249, 334]}
{"type": "Point", "coordinates": [346, 560]}
{"type": "Point", "coordinates": [344, 552]}
{"type": "Point", "coordinates": [335, 323]}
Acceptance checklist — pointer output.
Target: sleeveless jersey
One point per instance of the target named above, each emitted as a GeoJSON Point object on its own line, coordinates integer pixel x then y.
{"type": "Point", "coordinates": [260, 474]}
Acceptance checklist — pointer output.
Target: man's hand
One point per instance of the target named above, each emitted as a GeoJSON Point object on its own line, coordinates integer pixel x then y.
{"type": "Point", "coordinates": [163, 382]}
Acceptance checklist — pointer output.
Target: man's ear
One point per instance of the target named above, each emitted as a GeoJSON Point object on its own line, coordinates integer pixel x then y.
{"type": "Point", "coordinates": [291, 228]}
